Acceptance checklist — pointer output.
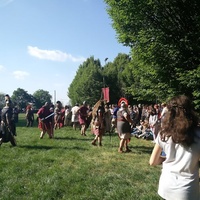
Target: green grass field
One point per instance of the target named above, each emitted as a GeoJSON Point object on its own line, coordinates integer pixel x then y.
{"type": "Point", "coordinates": [68, 167]}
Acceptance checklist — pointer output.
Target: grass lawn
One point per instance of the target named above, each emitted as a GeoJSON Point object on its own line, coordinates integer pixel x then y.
{"type": "Point", "coordinates": [68, 167]}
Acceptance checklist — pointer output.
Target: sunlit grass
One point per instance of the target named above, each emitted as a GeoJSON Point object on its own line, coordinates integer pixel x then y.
{"type": "Point", "coordinates": [69, 167]}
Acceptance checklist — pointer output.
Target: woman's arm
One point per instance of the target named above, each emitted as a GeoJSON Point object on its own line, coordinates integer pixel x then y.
{"type": "Point", "coordinates": [155, 158]}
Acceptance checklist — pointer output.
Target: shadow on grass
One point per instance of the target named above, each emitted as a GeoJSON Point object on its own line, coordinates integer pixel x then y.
{"type": "Point", "coordinates": [71, 138]}
{"type": "Point", "coordinates": [141, 149]}
{"type": "Point", "coordinates": [22, 123]}
{"type": "Point", "coordinates": [40, 147]}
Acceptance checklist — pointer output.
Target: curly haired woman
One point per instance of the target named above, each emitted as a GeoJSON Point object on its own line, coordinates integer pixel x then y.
{"type": "Point", "coordinates": [179, 138]}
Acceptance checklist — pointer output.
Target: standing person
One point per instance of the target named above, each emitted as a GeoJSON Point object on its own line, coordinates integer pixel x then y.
{"type": "Point", "coordinates": [67, 120]}
{"type": "Point", "coordinates": [13, 125]}
{"type": "Point", "coordinates": [83, 113]}
{"type": "Point", "coordinates": [45, 122]}
{"type": "Point", "coordinates": [7, 126]}
{"type": "Point", "coordinates": [124, 123]}
{"type": "Point", "coordinates": [74, 119]}
{"type": "Point", "coordinates": [114, 119]}
{"type": "Point", "coordinates": [153, 118]}
{"type": "Point", "coordinates": [29, 116]}
{"type": "Point", "coordinates": [58, 117]}
{"type": "Point", "coordinates": [16, 114]}
{"type": "Point", "coordinates": [107, 118]}
{"type": "Point", "coordinates": [180, 139]}
{"type": "Point", "coordinates": [163, 112]}
{"type": "Point", "coordinates": [98, 124]}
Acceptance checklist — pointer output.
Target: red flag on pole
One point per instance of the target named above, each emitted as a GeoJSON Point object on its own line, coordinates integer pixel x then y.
{"type": "Point", "coordinates": [105, 92]}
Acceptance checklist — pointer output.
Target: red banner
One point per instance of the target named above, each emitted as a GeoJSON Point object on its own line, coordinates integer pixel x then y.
{"type": "Point", "coordinates": [105, 92]}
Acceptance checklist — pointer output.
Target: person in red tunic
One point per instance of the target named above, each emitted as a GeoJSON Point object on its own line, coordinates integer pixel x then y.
{"type": "Point", "coordinates": [45, 121]}
{"type": "Point", "coordinates": [83, 114]}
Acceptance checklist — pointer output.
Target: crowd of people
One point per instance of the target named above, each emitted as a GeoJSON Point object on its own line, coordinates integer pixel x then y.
{"type": "Point", "coordinates": [174, 127]}
{"type": "Point", "coordinates": [141, 121]}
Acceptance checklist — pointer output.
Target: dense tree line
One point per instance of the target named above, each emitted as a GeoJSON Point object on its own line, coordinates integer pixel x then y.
{"type": "Point", "coordinates": [22, 98]}
{"type": "Point", "coordinates": [164, 38]}
{"type": "Point", "coordinates": [164, 60]}
{"type": "Point", "coordinates": [91, 77]}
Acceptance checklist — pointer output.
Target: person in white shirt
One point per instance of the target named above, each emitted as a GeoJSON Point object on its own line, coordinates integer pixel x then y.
{"type": "Point", "coordinates": [180, 139]}
{"type": "Point", "coordinates": [164, 111]}
{"type": "Point", "coordinates": [74, 119]}
{"type": "Point", "coordinates": [153, 118]}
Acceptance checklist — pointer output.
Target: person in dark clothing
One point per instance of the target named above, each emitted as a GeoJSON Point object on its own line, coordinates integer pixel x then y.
{"type": "Point", "coordinates": [7, 123]}
{"type": "Point", "coordinates": [12, 122]}
{"type": "Point", "coordinates": [29, 116]}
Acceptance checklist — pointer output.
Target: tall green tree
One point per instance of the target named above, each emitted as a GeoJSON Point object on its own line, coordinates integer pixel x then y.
{"type": "Point", "coordinates": [21, 98]}
{"type": "Point", "coordinates": [40, 97]}
{"type": "Point", "coordinates": [115, 75]}
{"type": "Point", "coordinates": [87, 84]}
{"type": "Point", "coordinates": [164, 37]}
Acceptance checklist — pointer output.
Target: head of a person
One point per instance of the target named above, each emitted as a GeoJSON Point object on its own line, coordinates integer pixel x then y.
{"type": "Point", "coordinates": [7, 97]}
{"type": "Point", "coordinates": [180, 106]}
{"type": "Point", "coordinates": [84, 103]}
{"type": "Point", "coordinates": [46, 105]}
{"type": "Point", "coordinates": [180, 120]}
{"type": "Point", "coordinates": [58, 104]}
{"type": "Point", "coordinates": [28, 107]}
{"type": "Point", "coordinates": [8, 102]}
{"type": "Point", "coordinates": [153, 111]}
{"type": "Point", "coordinates": [123, 105]}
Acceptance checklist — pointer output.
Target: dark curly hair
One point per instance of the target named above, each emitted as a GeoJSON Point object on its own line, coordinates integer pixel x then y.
{"type": "Point", "coordinates": [180, 121]}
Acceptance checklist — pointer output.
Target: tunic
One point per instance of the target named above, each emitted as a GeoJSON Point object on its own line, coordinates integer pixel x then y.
{"type": "Point", "coordinates": [123, 126]}
{"type": "Point", "coordinates": [83, 112]}
{"type": "Point", "coordinates": [179, 179]}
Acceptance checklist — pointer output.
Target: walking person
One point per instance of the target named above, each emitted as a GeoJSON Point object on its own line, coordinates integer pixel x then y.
{"type": "Point", "coordinates": [179, 138]}
{"type": "Point", "coordinates": [58, 117]}
{"type": "Point", "coordinates": [74, 119]}
{"type": "Point", "coordinates": [153, 119]}
{"type": "Point", "coordinates": [124, 123]}
{"type": "Point", "coordinates": [98, 124]}
{"type": "Point", "coordinates": [45, 122]}
{"type": "Point", "coordinates": [7, 127]}
{"type": "Point", "coordinates": [29, 116]}
{"type": "Point", "coordinates": [67, 120]}
{"type": "Point", "coordinates": [12, 122]}
{"type": "Point", "coordinates": [83, 114]}
{"type": "Point", "coordinates": [107, 119]}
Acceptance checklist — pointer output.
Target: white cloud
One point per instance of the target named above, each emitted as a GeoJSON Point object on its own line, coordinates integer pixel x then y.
{"type": "Point", "coordinates": [20, 75]}
{"type": "Point", "coordinates": [54, 55]}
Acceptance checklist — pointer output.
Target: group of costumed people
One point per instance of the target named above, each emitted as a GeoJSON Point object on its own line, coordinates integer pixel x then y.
{"type": "Point", "coordinates": [179, 138]}
{"type": "Point", "coordinates": [50, 118]}
{"type": "Point", "coordinates": [122, 121]}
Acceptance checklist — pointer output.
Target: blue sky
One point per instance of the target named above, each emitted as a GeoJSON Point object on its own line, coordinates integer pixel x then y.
{"type": "Point", "coordinates": [43, 43]}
